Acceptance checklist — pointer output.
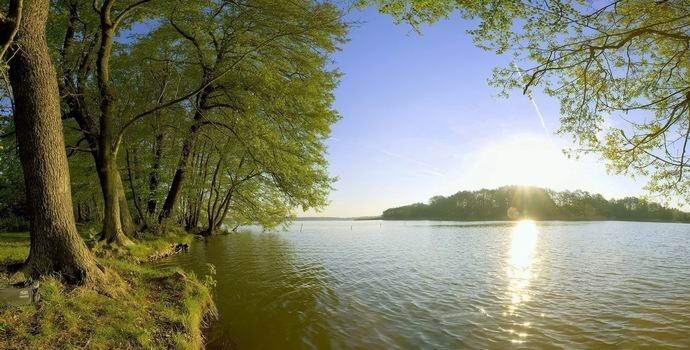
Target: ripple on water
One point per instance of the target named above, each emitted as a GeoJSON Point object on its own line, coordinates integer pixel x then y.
{"type": "Point", "coordinates": [451, 285]}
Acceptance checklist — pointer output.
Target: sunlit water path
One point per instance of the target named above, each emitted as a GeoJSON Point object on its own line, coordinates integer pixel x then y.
{"type": "Point", "coordinates": [448, 285]}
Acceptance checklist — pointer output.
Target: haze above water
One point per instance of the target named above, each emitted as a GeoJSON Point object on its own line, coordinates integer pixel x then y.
{"type": "Point", "coordinates": [445, 285]}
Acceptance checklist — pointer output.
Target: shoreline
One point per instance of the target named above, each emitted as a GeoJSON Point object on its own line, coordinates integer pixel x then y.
{"type": "Point", "coordinates": [161, 308]}
{"type": "Point", "coordinates": [537, 220]}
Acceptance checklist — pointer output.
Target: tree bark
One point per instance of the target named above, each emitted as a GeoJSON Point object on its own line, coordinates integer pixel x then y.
{"type": "Point", "coordinates": [126, 220]}
{"type": "Point", "coordinates": [154, 176]}
{"type": "Point", "coordinates": [127, 225]}
{"type": "Point", "coordinates": [111, 182]}
{"type": "Point", "coordinates": [112, 232]}
{"type": "Point", "coordinates": [56, 247]}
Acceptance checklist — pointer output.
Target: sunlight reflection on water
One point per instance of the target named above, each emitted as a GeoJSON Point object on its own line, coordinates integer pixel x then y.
{"type": "Point", "coordinates": [520, 268]}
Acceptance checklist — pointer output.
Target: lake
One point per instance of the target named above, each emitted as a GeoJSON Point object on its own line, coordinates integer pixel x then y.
{"type": "Point", "coordinates": [449, 285]}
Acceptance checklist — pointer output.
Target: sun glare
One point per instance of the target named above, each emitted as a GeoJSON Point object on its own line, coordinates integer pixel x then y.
{"type": "Point", "coordinates": [520, 261]}
{"type": "Point", "coordinates": [520, 265]}
{"type": "Point", "coordinates": [523, 240]}
{"type": "Point", "coordinates": [528, 160]}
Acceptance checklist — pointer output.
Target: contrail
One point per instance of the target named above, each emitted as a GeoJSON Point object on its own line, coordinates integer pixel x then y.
{"type": "Point", "coordinates": [534, 103]}
{"type": "Point", "coordinates": [425, 167]}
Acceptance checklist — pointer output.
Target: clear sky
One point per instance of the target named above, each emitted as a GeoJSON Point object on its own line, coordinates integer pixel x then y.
{"type": "Point", "coordinates": [419, 119]}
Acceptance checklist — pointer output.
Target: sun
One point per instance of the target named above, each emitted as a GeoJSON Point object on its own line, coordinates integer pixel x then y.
{"type": "Point", "coordinates": [526, 160]}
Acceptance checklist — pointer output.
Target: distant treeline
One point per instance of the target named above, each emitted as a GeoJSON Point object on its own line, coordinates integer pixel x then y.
{"type": "Point", "coordinates": [517, 202]}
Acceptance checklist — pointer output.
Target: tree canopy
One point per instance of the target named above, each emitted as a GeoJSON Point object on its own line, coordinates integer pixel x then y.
{"type": "Point", "coordinates": [202, 112]}
{"type": "Point", "coordinates": [618, 68]}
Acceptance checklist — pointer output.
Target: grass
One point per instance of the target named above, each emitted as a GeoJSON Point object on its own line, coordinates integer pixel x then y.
{"type": "Point", "coordinates": [14, 247]}
{"type": "Point", "coordinates": [163, 308]}
{"type": "Point", "coordinates": [146, 248]}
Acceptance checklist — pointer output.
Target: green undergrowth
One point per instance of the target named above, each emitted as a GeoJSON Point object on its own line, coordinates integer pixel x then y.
{"type": "Point", "coordinates": [162, 308]}
{"type": "Point", "coordinates": [14, 248]}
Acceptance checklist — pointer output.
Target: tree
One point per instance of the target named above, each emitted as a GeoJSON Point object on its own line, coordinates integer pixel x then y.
{"type": "Point", "coordinates": [85, 51]}
{"type": "Point", "coordinates": [262, 85]}
{"type": "Point", "coordinates": [619, 69]}
{"type": "Point", "coordinates": [253, 75]}
{"type": "Point", "coordinates": [188, 69]}
{"type": "Point", "coordinates": [226, 43]}
{"type": "Point", "coordinates": [56, 247]}
{"type": "Point", "coordinates": [9, 25]}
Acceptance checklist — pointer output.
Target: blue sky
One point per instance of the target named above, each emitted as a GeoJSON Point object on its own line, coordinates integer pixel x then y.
{"type": "Point", "coordinates": [419, 119]}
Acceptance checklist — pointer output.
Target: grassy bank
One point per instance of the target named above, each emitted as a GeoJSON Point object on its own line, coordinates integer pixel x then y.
{"type": "Point", "coordinates": [162, 308]}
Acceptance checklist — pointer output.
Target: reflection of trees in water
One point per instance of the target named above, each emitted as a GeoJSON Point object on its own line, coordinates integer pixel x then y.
{"type": "Point", "coordinates": [268, 297]}
{"type": "Point", "coordinates": [475, 225]}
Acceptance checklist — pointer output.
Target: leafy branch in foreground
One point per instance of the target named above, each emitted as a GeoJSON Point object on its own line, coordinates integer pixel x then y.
{"type": "Point", "coordinates": [619, 70]}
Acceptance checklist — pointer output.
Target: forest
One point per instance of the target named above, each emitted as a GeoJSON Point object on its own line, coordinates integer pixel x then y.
{"type": "Point", "coordinates": [131, 128]}
{"type": "Point", "coordinates": [194, 113]}
{"type": "Point", "coordinates": [521, 202]}
{"type": "Point", "coordinates": [187, 109]}
{"type": "Point", "coordinates": [126, 126]}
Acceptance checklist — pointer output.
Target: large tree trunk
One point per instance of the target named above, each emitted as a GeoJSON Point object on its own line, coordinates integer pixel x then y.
{"type": "Point", "coordinates": [125, 225]}
{"type": "Point", "coordinates": [109, 177]}
{"type": "Point", "coordinates": [56, 247]}
{"type": "Point", "coordinates": [111, 182]}
{"type": "Point", "coordinates": [126, 220]}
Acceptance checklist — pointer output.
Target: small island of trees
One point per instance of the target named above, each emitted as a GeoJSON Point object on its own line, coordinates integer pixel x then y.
{"type": "Point", "coordinates": [518, 202]}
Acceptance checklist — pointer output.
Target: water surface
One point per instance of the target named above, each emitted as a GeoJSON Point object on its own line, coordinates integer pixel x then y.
{"type": "Point", "coordinates": [449, 285]}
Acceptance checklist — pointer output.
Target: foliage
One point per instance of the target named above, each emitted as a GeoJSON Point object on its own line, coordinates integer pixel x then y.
{"type": "Point", "coordinates": [515, 202]}
{"type": "Point", "coordinates": [243, 88]}
{"type": "Point", "coordinates": [13, 212]}
{"type": "Point", "coordinates": [620, 70]}
{"type": "Point", "coordinates": [209, 280]}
